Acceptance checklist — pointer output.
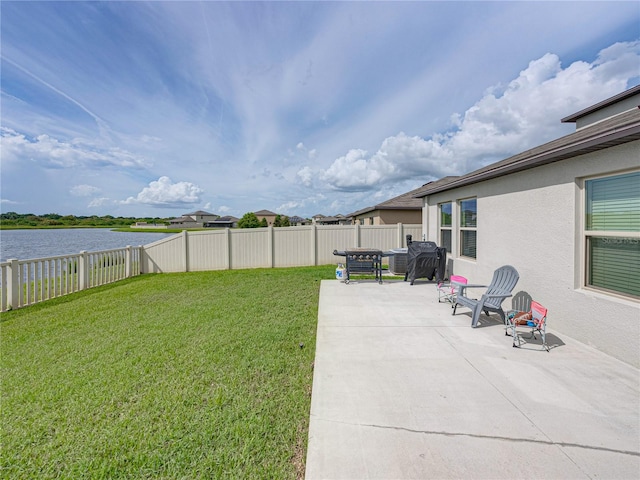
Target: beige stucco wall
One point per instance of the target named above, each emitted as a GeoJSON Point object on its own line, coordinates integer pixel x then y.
{"type": "Point", "coordinates": [533, 220]}
{"type": "Point", "coordinates": [388, 217]}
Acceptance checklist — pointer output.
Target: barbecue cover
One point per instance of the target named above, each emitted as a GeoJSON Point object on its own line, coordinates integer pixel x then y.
{"type": "Point", "coordinates": [425, 260]}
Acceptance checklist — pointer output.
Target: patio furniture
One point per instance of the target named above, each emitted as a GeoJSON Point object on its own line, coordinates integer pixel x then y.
{"type": "Point", "coordinates": [535, 321]}
{"type": "Point", "coordinates": [503, 282]}
{"type": "Point", "coordinates": [447, 292]}
{"type": "Point", "coordinates": [363, 261]}
{"type": "Point", "coordinates": [425, 260]}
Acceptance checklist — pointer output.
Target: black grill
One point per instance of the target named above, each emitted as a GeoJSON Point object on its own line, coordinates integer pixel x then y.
{"type": "Point", "coordinates": [362, 261]}
{"type": "Point", "coordinates": [425, 260]}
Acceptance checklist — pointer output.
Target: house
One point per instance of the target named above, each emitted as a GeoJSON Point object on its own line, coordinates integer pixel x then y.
{"type": "Point", "coordinates": [338, 219]}
{"type": "Point", "coordinates": [295, 221]}
{"type": "Point", "coordinates": [227, 221]}
{"type": "Point", "coordinates": [566, 215]}
{"type": "Point", "coordinates": [405, 208]}
{"type": "Point", "coordinates": [193, 220]}
{"type": "Point", "coordinates": [270, 216]}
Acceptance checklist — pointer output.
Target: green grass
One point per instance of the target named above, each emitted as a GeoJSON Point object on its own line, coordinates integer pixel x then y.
{"type": "Point", "coordinates": [196, 375]}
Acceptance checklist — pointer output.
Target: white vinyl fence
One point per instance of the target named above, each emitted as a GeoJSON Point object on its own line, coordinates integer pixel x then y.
{"type": "Point", "coordinates": [26, 282]}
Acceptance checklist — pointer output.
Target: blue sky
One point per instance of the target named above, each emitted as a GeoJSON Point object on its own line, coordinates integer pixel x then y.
{"type": "Point", "coordinates": [162, 108]}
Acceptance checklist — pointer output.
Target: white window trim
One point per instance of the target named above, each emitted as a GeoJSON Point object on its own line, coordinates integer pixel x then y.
{"type": "Point", "coordinates": [449, 228]}
{"type": "Point", "coordinates": [461, 229]}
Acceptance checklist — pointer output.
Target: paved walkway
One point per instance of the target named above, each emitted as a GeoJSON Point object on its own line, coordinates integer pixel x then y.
{"type": "Point", "coordinates": [403, 390]}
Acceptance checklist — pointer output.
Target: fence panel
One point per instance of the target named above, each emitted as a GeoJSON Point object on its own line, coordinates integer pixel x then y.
{"type": "Point", "coordinates": [166, 255]}
{"type": "Point", "coordinates": [27, 282]}
{"type": "Point", "coordinates": [251, 248]}
{"type": "Point", "coordinates": [293, 247]}
{"type": "Point", "coordinates": [208, 250]}
{"type": "Point", "coordinates": [334, 237]}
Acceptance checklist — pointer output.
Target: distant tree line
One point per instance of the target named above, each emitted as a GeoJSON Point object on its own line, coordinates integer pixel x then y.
{"type": "Point", "coordinates": [13, 219]}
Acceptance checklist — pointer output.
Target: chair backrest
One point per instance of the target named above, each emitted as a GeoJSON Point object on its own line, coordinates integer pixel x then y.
{"type": "Point", "coordinates": [538, 313]}
{"type": "Point", "coordinates": [521, 302]}
{"type": "Point", "coordinates": [457, 278]}
{"type": "Point", "coordinates": [504, 280]}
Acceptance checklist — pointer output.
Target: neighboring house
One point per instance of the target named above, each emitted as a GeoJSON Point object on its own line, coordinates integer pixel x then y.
{"type": "Point", "coordinates": [223, 222]}
{"type": "Point", "coordinates": [405, 208]}
{"type": "Point", "coordinates": [566, 215]}
{"type": "Point", "coordinates": [295, 221]}
{"type": "Point", "coordinates": [270, 216]}
{"type": "Point", "coordinates": [193, 220]}
{"type": "Point", "coordinates": [338, 219]}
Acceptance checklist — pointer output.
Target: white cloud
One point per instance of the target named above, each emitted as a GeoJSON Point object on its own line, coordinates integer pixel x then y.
{"type": "Point", "coordinates": [305, 176]}
{"type": "Point", "coordinates": [50, 152]}
{"type": "Point", "coordinates": [293, 206]}
{"type": "Point", "coordinates": [504, 122]}
{"type": "Point", "coordinates": [100, 202]}
{"type": "Point", "coordinates": [6, 201]}
{"type": "Point", "coordinates": [84, 190]}
{"type": "Point", "coordinates": [164, 193]}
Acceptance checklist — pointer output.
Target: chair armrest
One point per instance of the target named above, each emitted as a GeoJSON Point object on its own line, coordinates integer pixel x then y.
{"type": "Point", "coordinates": [467, 285]}
{"type": "Point", "coordinates": [498, 295]}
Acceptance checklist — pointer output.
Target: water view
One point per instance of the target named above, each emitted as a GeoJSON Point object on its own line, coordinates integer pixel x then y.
{"type": "Point", "coordinates": [28, 244]}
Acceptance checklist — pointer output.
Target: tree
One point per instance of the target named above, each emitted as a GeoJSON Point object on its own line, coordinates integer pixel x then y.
{"type": "Point", "coordinates": [277, 222]}
{"type": "Point", "coordinates": [285, 221]}
{"type": "Point", "coordinates": [263, 222]}
{"type": "Point", "coordinates": [249, 220]}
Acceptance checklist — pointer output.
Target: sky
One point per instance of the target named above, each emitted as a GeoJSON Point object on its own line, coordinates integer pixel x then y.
{"type": "Point", "coordinates": [156, 109]}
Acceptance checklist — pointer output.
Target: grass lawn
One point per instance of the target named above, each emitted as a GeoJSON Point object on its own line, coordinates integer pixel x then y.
{"type": "Point", "coordinates": [191, 375]}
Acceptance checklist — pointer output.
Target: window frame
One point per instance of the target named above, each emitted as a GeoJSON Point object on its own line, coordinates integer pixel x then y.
{"type": "Point", "coordinates": [462, 229]}
{"type": "Point", "coordinates": [587, 236]}
{"type": "Point", "coordinates": [445, 228]}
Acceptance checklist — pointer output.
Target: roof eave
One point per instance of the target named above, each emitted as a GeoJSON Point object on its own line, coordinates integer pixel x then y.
{"type": "Point", "coordinates": [607, 139]}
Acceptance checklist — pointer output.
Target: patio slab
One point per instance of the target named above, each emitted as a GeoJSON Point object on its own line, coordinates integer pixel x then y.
{"type": "Point", "coordinates": [404, 390]}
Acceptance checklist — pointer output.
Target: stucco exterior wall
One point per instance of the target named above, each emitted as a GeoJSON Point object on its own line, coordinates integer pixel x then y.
{"type": "Point", "coordinates": [533, 221]}
{"type": "Point", "coordinates": [388, 217]}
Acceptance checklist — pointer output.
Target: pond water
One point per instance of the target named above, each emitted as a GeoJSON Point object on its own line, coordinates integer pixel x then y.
{"type": "Point", "coordinates": [36, 243]}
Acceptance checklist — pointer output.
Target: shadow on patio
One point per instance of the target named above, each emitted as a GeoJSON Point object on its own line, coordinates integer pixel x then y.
{"type": "Point", "coordinates": [403, 389]}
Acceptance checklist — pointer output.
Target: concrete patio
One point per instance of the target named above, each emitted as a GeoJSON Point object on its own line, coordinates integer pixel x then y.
{"type": "Point", "coordinates": [402, 389]}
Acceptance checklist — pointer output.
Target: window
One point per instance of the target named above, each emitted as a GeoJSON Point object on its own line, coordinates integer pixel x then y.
{"type": "Point", "coordinates": [445, 225]}
{"type": "Point", "coordinates": [612, 233]}
{"type": "Point", "coordinates": [468, 224]}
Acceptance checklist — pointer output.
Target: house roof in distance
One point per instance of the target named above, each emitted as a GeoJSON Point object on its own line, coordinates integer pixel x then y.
{"type": "Point", "coordinates": [265, 213]}
{"type": "Point", "coordinates": [226, 218]}
{"type": "Point", "coordinates": [406, 201]}
{"type": "Point", "coordinates": [198, 212]}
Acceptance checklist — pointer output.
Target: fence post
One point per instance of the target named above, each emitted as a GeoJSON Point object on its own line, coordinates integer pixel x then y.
{"type": "Point", "coordinates": [227, 247]}
{"type": "Point", "coordinates": [83, 270]}
{"type": "Point", "coordinates": [314, 245]}
{"type": "Point", "coordinates": [127, 262]}
{"type": "Point", "coordinates": [270, 246]}
{"type": "Point", "coordinates": [13, 284]}
{"type": "Point", "coordinates": [185, 241]}
{"type": "Point", "coordinates": [357, 235]}
{"type": "Point", "coordinates": [400, 235]}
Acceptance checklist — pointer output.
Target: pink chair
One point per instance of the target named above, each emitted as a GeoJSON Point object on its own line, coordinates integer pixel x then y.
{"type": "Point", "coordinates": [447, 292]}
{"type": "Point", "coordinates": [536, 321]}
